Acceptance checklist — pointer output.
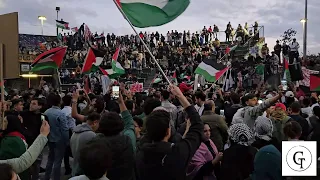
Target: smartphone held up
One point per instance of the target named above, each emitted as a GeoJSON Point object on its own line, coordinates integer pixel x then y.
{"type": "Point", "coordinates": [115, 92]}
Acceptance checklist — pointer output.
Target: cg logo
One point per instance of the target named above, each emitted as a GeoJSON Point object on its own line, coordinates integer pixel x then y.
{"type": "Point", "coordinates": [299, 158]}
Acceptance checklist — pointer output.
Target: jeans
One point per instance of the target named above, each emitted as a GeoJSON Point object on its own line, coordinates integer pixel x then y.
{"type": "Point", "coordinates": [56, 154]}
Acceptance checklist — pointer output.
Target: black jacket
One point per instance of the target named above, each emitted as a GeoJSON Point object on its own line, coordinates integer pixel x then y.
{"type": "Point", "coordinates": [32, 123]}
{"type": "Point", "coordinates": [122, 167]}
{"type": "Point", "coordinates": [164, 160]}
{"type": "Point", "coordinates": [237, 162]}
{"type": "Point", "coordinates": [230, 111]}
{"type": "Point", "coordinates": [304, 124]}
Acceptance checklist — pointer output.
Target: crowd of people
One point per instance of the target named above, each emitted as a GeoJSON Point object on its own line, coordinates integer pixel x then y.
{"type": "Point", "coordinates": [184, 48]}
{"type": "Point", "coordinates": [170, 133]}
{"type": "Point", "coordinates": [167, 132]}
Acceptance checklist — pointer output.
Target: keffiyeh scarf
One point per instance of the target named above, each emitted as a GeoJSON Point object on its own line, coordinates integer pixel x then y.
{"type": "Point", "coordinates": [240, 134]}
{"type": "Point", "coordinates": [263, 128]}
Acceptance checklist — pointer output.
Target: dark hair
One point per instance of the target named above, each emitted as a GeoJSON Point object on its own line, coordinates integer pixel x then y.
{"type": "Point", "coordinates": [41, 102]}
{"type": "Point", "coordinates": [295, 107]}
{"type": "Point", "coordinates": [249, 96]}
{"type": "Point", "coordinates": [92, 96]}
{"type": "Point", "coordinates": [138, 120]}
{"type": "Point", "coordinates": [306, 102]}
{"type": "Point", "coordinates": [95, 159]}
{"type": "Point", "coordinates": [200, 95]}
{"type": "Point", "coordinates": [129, 105]}
{"type": "Point", "coordinates": [54, 99]}
{"type": "Point", "coordinates": [67, 100]}
{"type": "Point", "coordinates": [6, 171]}
{"type": "Point", "coordinates": [314, 100]}
{"type": "Point", "coordinates": [93, 117]}
{"type": "Point", "coordinates": [316, 111]}
{"type": "Point", "coordinates": [292, 129]}
{"type": "Point", "coordinates": [14, 124]}
{"type": "Point", "coordinates": [235, 98]}
{"type": "Point", "coordinates": [207, 107]}
{"type": "Point", "coordinates": [99, 106]}
{"type": "Point", "coordinates": [165, 94]}
{"type": "Point", "coordinates": [150, 105]}
{"type": "Point", "coordinates": [110, 124]}
{"type": "Point", "coordinates": [157, 125]}
{"type": "Point", "coordinates": [16, 101]}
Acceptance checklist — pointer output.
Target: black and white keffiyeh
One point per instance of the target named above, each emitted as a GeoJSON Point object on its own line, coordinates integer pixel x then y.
{"type": "Point", "coordinates": [263, 128]}
{"type": "Point", "coordinates": [240, 134]}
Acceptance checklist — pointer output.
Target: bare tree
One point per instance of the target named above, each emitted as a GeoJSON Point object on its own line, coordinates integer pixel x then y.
{"type": "Point", "coordinates": [288, 35]}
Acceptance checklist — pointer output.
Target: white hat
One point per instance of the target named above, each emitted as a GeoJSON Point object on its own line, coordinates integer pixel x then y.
{"type": "Point", "coordinates": [289, 94]}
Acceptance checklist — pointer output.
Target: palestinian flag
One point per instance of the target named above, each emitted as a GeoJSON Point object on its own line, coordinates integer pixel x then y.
{"type": "Point", "coordinates": [93, 60]}
{"type": "Point", "coordinates": [228, 49]}
{"type": "Point", "coordinates": [74, 29]}
{"type": "Point", "coordinates": [260, 69]}
{"type": "Point", "coordinates": [314, 82]}
{"type": "Point", "coordinates": [148, 13]}
{"type": "Point", "coordinates": [62, 24]}
{"type": "Point", "coordinates": [286, 75]}
{"type": "Point", "coordinates": [116, 66]}
{"type": "Point", "coordinates": [174, 77]}
{"type": "Point", "coordinates": [156, 80]}
{"type": "Point", "coordinates": [211, 70]}
{"type": "Point", "coordinates": [49, 59]}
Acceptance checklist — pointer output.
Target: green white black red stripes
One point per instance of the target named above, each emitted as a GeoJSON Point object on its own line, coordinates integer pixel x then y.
{"type": "Point", "coordinates": [286, 75]}
{"type": "Point", "coordinates": [147, 13]}
{"type": "Point", "coordinates": [116, 66]}
{"type": "Point", "coordinates": [49, 59]}
{"type": "Point", "coordinates": [211, 70]}
{"type": "Point", "coordinates": [93, 60]}
{"type": "Point", "coordinates": [62, 24]}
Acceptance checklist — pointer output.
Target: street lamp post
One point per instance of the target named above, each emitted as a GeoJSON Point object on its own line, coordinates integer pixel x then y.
{"type": "Point", "coordinates": [304, 22]}
{"type": "Point", "coordinates": [42, 19]}
{"type": "Point", "coordinates": [57, 9]}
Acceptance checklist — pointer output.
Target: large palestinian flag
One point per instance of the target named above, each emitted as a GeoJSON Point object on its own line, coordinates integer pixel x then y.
{"type": "Point", "coordinates": [93, 60]}
{"type": "Point", "coordinates": [211, 70]}
{"type": "Point", "coordinates": [49, 59]}
{"type": "Point", "coordinates": [147, 13]}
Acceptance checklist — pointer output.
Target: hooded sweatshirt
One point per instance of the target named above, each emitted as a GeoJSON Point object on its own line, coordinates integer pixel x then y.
{"type": "Point", "coordinates": [83, 133]}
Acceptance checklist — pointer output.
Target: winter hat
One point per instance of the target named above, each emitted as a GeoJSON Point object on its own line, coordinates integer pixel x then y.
{"type": "Point", "coordinates": [267, 163]}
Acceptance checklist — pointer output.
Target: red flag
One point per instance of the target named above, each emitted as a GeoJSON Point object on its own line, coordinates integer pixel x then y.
{"type": "Point", "coordinates": [174, 76]}
{"type": "Point", "coordinates": [104, 72]}
{"type": "Point", "coordinates": [87, 85]}
{"type": "Point", "coordinates": [228, 50]}
{"type": "Point", "coordinates": [116, 54]}
{"type": "Point", "coordinates": [314, 82]}
{"type": "Point", "coordinates": [90, 59]}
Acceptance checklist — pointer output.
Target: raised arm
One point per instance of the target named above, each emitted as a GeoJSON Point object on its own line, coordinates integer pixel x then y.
{"type": "Point", "coordinates": [74, 110]}
{"type": "Point", "coordinates": [128, 122]}
{"type": "Point", "coordinates": [188, 146]}
{"type": "Point", "coordinates": [30, 156]}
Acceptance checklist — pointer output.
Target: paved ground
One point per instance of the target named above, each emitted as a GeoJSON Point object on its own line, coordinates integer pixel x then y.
{"type": "Point", "coordinates": [44, 163]}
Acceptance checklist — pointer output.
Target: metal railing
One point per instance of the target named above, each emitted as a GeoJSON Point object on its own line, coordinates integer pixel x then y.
{"type": "Point", "coordinates": [245, 44]}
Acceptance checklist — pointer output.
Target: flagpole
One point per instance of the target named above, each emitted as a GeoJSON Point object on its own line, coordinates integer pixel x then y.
{"type": "Point", "coordinates": [144, 44]}
{"type": "Point", "coordinates": [2, 81]}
